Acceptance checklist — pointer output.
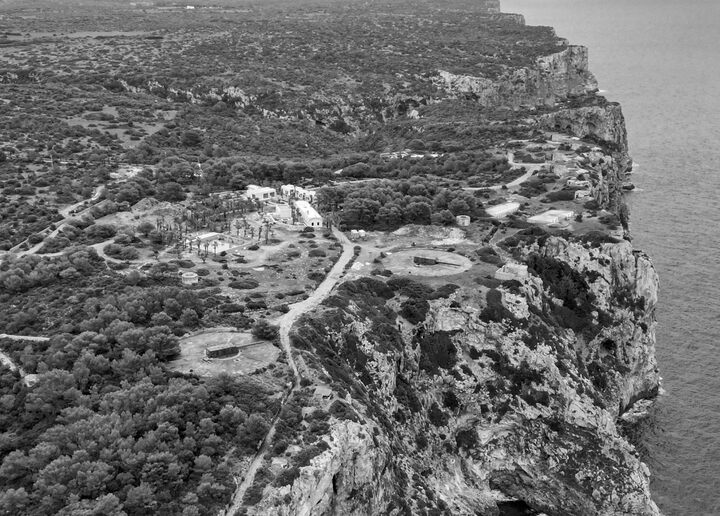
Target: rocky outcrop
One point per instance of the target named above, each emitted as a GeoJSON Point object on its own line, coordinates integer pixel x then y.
{"type": "Point", "coordinates": [604, 123]}
{"type": "Point", "coordinates": [552, 78]}
{"type": "Point", "coordinates": [505, 394]}
{"type": "Point", "coordinates": [352, 477]}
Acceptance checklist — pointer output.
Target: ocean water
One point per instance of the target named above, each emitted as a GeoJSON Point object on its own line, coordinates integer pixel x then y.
{"type": "Point", "coordinates": [661, 60]}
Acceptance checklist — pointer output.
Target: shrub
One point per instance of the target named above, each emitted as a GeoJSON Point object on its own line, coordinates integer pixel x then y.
{"type": "Point", "coordinates": [414, 310]}
{"type": "Point", "coordinates": [244, 284]}
{"type": "Point", "coordinates": [287, 476]}
{"type": "Point", "coordinates": [264, 330]}
{"type": "Point", "coordinates": [316, 276]}
{"type": "Point", "coordinates": [561, 195]}
{"type": "Point", "coordinates": [437, 416]}
{"type": "Point", "coordinates": [437, 351]}
{"type": "Point", "coordinates": [342, 410]}
{"type": "Point", "coordinates": [444, 291]}
{"type": "Point", "coordinates": [315, 253]}
{"type": "Point", "coordinates": [231, 308]}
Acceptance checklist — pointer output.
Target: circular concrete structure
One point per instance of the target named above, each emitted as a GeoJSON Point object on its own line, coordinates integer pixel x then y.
{"type": "Point", "coordinates": [249, 353]}
{"type": "Point", "coordinates": [426, 262]}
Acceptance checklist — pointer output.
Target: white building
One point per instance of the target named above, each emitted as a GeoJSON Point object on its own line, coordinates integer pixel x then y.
{"type": "Point", "coordinates": [551, 217]}
{"type": "Point", "coordinates": [282, 210]}
{"type": "Point", "coordinates": [503, 210]}
{"type": "Point", "coordinates": [462, 220]}
{"type": "Point", "coordinates": [511, 271]}
{"type": "Point", "coordinates": [581, 195]}
{"type": "Point", "coordinates": [189, 278]}
{"type": "Point", "coordinates": [208, 237]}
{"type": "Point", "coordinates": [298, 192]}
{"type": "Point", "coordinates": [261, 193]}
{"type": "Point", "coordinates": [578, 183]}
{"type": "Point", "coordinates": [308, 215]}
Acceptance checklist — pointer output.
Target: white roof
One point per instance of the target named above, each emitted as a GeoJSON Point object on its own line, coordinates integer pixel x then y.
{"type": "Point", "coordinates": [502, 210]}
{"type": "Point", "coordinates": [551, 216]}
{"type": "Point", "coordinates": [254, 188]}
{"type": "Point", "coordinates": [306, 209]}
{"type": "Point", "coordinates": [205, 236]}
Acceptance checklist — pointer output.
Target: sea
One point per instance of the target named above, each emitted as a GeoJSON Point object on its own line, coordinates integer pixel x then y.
{"type": "Point", "coordinates": [661, 60]}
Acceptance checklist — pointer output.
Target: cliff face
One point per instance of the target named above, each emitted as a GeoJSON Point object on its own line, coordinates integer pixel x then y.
{"type": "Point", "coordinates": [604, 123]}
{"type": "Point", "coordinates": [554, 77]}
{"type": "Point", "coordinates": [499, 394]}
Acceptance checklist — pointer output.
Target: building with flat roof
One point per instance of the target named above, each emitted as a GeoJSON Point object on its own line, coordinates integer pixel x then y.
{"type": "Point", "coordinates": [189, 278]}
{"type": "Point", "coordinates": [298, 192]}
{"type": "Point", "coordinates": [222, 351]}
{"type": "Point", "coordinates": [208, 237]}
{"type": "Point", "coordinates": [500, 211]}
{"type": "Point", "coordinates": [260, 193]}
{"type": "Point", "coordinates": [551, 217]}
{"type": "Point", "coordinates": [282, 210]}
{"type": "Point", "coordinates": [462, 220]}
{"type": "Point", "coordinates": [308, 214]}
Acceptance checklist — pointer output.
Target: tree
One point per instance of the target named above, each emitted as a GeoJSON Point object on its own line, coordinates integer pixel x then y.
{"type": "Point", "coordinates": [144, 228]}
{"type": "Point", "coordinates": [444, 218]}
{"type": "Point", "coordinates": [171, 191]}
{"type": "Point", "coordinates": [264, 330]}
{"type": "Point", "coordinates": [418, 213]}
{"type": "Point", "coordinates": [189, 318]}
{"type": "Point", "coordinates": [191, 138]}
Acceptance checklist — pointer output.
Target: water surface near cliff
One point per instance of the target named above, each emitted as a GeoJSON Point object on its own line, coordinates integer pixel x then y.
{"type": "Point", "coordinates": [660, 59]}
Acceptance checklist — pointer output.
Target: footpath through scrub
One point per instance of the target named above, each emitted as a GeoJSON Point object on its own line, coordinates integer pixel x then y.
{"type": "Point", "coordinates": [286, 323]}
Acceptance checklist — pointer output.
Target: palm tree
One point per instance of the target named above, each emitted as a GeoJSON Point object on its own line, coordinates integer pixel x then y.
{"type": "Point", "coordinates": [267, 231]}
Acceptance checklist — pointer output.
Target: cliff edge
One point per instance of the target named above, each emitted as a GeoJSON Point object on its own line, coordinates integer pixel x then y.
{"type": "Point", "coordinates": [500, 389]}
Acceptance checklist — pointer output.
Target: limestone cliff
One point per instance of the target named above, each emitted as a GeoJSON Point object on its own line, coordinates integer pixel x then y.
{"type": "Point", "coordinates": [604, 123]}
{"type": "Point", "coordinates": [553, 77]}
{"type": "Point", "coordinates": [501, 394]}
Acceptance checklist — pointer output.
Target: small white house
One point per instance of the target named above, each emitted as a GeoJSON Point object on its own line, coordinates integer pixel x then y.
{"type": "Point", "coordinates": [208, 237]}
{"type": "Point", "coordinates": [503, 210]}
{"type": "Point", "coordinates": [308, 214]}
{"type": "Point", "coordinates": [551, 217]}
{"type": "Point", "coordinates": [189, 278]}
{"type": "Point", "coordinates": [462, 220]}
{"type": "Point", "coordinates": [298, 192]}
{"type": "Point", "coordinates": [261, 193]}
{"type": "Point", "coordinates": [581, 195]}
{"type": "Point", "coordinates": [578, 183]}
{"type": "Point", "coordinates": [282, 210]}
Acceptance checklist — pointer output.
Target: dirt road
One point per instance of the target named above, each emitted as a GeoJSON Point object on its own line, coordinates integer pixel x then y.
{"type": "Point", "coordinates": [286, 323]}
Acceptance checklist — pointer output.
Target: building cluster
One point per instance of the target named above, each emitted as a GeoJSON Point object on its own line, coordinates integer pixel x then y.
{"type": "Point", "coordinates": [290, 197]}
{"type": "Point", "coordinates": [298, 192]}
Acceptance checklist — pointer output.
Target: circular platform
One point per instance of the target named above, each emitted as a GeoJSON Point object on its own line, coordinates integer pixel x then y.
{"type": "Point", "coordinates": [417, 261]}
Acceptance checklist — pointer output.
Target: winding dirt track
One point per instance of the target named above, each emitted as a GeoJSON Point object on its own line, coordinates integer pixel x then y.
{"type": "Point", "coordinates": [286, 322]}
